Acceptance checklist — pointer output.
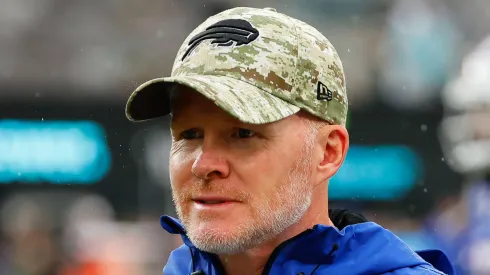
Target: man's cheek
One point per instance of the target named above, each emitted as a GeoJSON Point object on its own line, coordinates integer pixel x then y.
{"type": "Point", "coordinates": [180, 168]}
{"type": "Point", "coordinates": [178, 188]}
{"type": "Point", "coordinates": [182, 158]}
{"type": "Point", "coordinates": [259, 166]}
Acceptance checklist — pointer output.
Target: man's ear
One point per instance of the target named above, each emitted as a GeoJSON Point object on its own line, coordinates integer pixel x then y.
{"type": "Point", "coordinates": [334, 141]}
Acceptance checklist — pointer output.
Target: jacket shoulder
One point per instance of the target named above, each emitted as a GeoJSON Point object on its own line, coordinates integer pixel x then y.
{"type": "Point", "coordinates": [416, 270]}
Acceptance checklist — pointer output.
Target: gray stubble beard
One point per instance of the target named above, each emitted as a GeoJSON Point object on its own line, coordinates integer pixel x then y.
{"type": "Point", "coordinates": [271, 218]}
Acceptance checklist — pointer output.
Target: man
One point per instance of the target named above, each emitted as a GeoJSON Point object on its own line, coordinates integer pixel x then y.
{"type": "Point", "coordinates": [258, 105]}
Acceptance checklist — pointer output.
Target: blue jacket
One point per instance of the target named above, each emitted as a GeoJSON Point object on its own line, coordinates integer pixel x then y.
{"type": "Point", "coordinates": [363, 248]}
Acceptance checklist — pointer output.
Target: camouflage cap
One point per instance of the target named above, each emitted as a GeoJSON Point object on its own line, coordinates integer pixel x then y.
{"type": "Point", "coordinates": [259, 65]}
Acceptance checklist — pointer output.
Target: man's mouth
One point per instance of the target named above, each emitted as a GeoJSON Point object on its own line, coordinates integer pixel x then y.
{"type": "Point", "coordinates": [211, 202]}
{"type": "Point", "coordinates": [208, 201]}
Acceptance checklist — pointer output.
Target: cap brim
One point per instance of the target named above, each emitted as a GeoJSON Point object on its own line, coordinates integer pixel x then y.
{"type": "Point", "coordinates": [241, 100]}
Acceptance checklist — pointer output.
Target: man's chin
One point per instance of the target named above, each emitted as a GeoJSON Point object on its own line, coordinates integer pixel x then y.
{"type": "Point", "coordinates": [222, 244]}
{"type": "Point", "coordinates": [220, 237]}
{"type": "Point", "coordinates": [215, 228]}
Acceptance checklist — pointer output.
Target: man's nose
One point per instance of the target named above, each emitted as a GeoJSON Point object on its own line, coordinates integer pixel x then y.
{"type": "Point", "coordinates": [210, 164]}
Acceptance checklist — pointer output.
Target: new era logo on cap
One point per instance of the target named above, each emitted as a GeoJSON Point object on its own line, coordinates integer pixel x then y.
{"type": "Point", "coordinates": [225, 33]}
{"type": "Point", "coordinates": [322, 92]}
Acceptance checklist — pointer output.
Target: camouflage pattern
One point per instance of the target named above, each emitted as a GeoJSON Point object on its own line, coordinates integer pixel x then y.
{"type": "Point", "coordinates": [268, 79]}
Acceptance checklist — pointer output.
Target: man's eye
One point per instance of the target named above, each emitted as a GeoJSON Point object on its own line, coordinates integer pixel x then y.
{"type": "Point", "coordinates": [189, 134]}
{"type": "Point", "coordinates": [244, 133]}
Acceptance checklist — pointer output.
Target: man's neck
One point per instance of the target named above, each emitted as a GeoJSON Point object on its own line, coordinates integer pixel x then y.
{"type": "Point", "coordinates": [253, 261]}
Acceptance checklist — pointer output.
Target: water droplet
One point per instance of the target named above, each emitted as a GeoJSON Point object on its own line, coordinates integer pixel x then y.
{"type": "Point", "coordinates": [348, 50]}
{"type": "Point", "coordinates": [425, 190]}
{"type": "Point", "coordinates": [42, 119]}
{"type": "Point", "coordinates": [443, 160]}
{"type": "Point", "coordinates": [160, 33]}
{"type": "Point", "coordinates": [423, 127]}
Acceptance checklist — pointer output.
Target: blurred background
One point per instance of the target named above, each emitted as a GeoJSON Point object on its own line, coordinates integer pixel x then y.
{"type": "Point", "coordinates": [82, 189]}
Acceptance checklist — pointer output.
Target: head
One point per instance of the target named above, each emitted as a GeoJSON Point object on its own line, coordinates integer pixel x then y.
{"type": "Point", "coordinates": [257, 123]}
{"type": "Point", "coordinates": [269, 171]}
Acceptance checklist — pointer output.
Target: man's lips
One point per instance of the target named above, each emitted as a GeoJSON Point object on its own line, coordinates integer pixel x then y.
{"type": "Point", "coordinates": [213, 200]}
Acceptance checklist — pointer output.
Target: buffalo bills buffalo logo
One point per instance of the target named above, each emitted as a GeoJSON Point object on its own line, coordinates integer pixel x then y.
{"type": "Point", "coordinates": [225, 33]}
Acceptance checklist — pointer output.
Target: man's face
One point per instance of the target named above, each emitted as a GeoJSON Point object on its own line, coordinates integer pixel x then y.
{"type": "Point", "coordinates": [236, 185]}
